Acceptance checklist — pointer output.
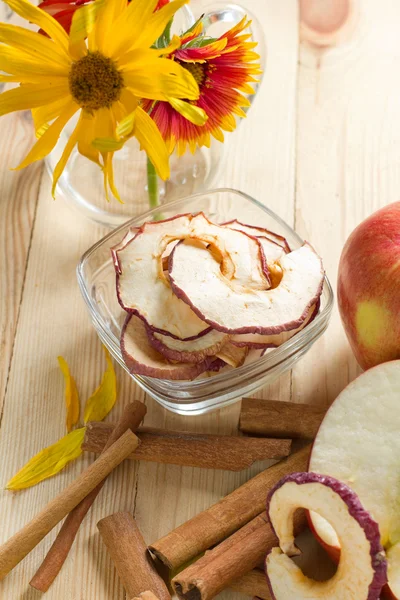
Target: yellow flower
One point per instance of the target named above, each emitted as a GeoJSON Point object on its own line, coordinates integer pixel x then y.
{"type": "Point", "coordinates": [104, 78]}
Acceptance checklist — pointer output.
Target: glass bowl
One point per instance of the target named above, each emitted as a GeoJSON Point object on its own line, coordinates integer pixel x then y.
{"type": "Point", "coordinates": [96, 278]}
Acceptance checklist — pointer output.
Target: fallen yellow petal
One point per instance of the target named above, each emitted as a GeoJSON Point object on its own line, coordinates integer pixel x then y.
{"type": "Point", "coordinates": [103, 398]}
{"type": "Point", "coordinates": [49, 461]}
{"type": "Point", "coordinates": [71, 395]}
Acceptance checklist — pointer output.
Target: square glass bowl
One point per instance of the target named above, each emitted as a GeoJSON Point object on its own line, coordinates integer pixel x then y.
{"type": "Point", "coordinates": [96, 278]}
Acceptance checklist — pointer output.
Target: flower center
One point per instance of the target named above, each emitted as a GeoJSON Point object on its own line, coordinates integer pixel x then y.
{"type": "Point", "coordinates": [95, 82]}
{"type": "Point", "coordinates": [198, 71]}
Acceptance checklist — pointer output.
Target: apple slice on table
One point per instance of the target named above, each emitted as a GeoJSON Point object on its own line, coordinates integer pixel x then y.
{"type": "Point", "coordinates": [359, 443]}
{"type": "Point", "coordinates": [362, 570]}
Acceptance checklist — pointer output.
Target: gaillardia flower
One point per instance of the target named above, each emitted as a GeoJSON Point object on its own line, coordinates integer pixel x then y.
{"type": "Point", "coordinates": [223, 69]}
{"type": "Point", "coordinates": [103, 78]}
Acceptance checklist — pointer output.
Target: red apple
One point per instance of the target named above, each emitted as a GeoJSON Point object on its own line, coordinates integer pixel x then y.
{"type": "Point", "coordinates": [369, 288]}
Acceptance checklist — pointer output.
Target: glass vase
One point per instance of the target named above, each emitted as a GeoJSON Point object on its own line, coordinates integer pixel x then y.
{"type": "Point", "coordinates": [81, 183]}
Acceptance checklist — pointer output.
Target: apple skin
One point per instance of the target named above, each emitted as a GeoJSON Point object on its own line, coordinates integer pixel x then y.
{"type": "Point", "coordinates": [369, 288]}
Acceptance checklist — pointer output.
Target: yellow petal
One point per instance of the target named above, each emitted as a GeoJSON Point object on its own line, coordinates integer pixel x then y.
{"type": "Point", "coordinates": [17, 62]}
{"type": "Point", "coordinates": [82, 25]}
{"type": "Point", "coordinates": [129, 26]}
{"type": "Point", "coordinates": [174, 44]}
{"type": "Point", "coordinates": [43, 115]}
{"type": "Point", "coordinates": [30, 95]}
{"type": "Point", "coordinates": [71, 395]}
{"type": "Point", "coordinates": [157, 78]}
{"type": "Point", "coordinates": [157, 24]}
{"type": "Point", "coordinates": [107, 144]}
{"type": "Point", "coordinates": [49, 461]}
{"type": "Point", "coordinates": [125, 127]}
{"type": "Point", "coordinates": [129, 100]}
{"type": "Point", "coordinates": [192, 113]}
{"type": "Point", "coordinates": [42, 19]}
{"type": "Point", "coordinates": [104, 23]}
{"type": "Point", "coordinates": [151, 141]}
{"type": "Point", "coordinates": [109, 176]}
{"type": "Point", "coordinates": [85, 138]}
{"type": "Point", "coordinates": [60, 166]}
{"type": "Point", "coordinates": [103, 399]}
{"type": "Point", "coordinates": [34, 78]}
{"type": "Point", "coordinates": [49, 138]}
{"type": "Point", "coordinates": [40, 48]}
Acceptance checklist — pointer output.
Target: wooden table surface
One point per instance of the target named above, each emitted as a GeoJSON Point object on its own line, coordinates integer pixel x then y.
{"type": "Point", "coordinates": [321, 147]}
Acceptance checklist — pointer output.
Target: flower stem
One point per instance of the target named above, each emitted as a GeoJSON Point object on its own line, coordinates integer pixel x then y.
{"type": "Point", "coordinates": [152, 185]}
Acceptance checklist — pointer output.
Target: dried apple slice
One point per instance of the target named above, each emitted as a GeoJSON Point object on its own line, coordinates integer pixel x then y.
{"type": "Point", "coordinates": [362, 570]}
{"type": "Point", "coordinates": [259, 232]}
{"type": "Point", "coordinates": [114, 250]}
{"type": "Point", "coordinates": [142, 359]}
{"type": "Point", "coordinates": [192, 351]}
{"type": "Point", "coordinates": [256, 340]}
{"type": "Point", "coordinates": [233, 355]}
{"type": "Point", "coordinates": [144, 289]}
{"type": "Point", "coordinates": [196, 277]}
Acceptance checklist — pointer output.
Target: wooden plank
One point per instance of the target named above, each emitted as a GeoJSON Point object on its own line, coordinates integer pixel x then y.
{"type": "Point", "coordinates": [19, 195]}
{"type": "Point", "coordinates": [348, 163]}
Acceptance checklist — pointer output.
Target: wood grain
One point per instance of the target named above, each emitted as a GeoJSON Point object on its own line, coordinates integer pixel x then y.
{"type": "Point", "coordinates": [18, 200]}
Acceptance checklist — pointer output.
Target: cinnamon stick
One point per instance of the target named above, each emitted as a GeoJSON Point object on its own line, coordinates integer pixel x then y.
{"type": "Point", "coordinates": [226, 516]}
{"type": "Point", "coordinates": [231, 453]}
{"type": "Point", "coordinates": [280, 419]}
{"type": "Point", "coordinates": [231, 559]}
{"type": "Point", "coordinates": [129, 553]}
{"type": "Point", "coordinates": [131, 418]}
{"type": "Point", "coordinates": [21, 543]}
{"type": "Point", "coordinates": [254, 583]}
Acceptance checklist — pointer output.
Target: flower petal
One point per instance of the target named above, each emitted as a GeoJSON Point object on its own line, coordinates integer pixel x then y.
{"type": "Point", "coordinates": [192, 113]}
{"type": "Point", "coordinates": [30, 96]}
{"type": "Point", "coordinates": [42, 115]}
{"type": "Point", "coordinates": [151, 141]}
{"type": "Point", "coordinates": [49, 461]}
{"type": "Point", "coordinates": [17, 62]}
{"type": "Point", "coordinates": [157, 24]}
{"type": "Point", "coordinates": [60, 166]}
{"type": "Point", "coordinates": [85, 138]}
{"type": "Point", "coordinates": [157, 78]}
{"type": "Point", "coordinates": [49, 138]}
{"type": "Point", "coordinates": [71, 395]}
{"type": "Point", "coordinates": [40, 48]}
{"type": "Point", "coordinates": [129, 26]}
{"type": "Point", "coordinates": [82, 25]}
{"type": "Point", "coordinates": [103, 398]}
{"type": "Point", "coordinates": [107, 16]}
{"type": "Point", "coordinates": [42, 19]}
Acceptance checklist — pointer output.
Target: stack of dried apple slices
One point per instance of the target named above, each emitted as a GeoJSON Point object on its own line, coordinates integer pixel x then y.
{"type": "Point", "coordinates": [200, 296]}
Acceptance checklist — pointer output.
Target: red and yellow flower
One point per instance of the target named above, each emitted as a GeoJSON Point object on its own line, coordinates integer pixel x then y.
{"type": "Point", "coordinates": [224, 69]}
